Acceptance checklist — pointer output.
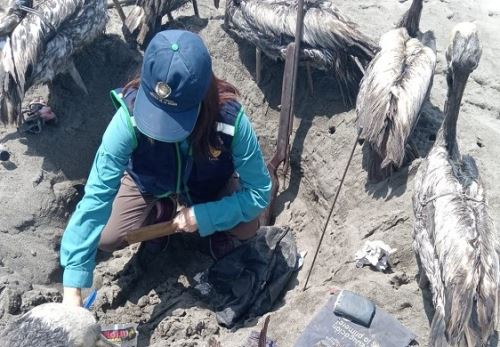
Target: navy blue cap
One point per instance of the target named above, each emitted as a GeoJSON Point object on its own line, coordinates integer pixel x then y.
{"type": "Point", "coordinates": [175, 77]}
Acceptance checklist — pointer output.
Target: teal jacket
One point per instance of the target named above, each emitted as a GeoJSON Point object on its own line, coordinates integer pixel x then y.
{"type": "Point", "coordinates": [81, 237]}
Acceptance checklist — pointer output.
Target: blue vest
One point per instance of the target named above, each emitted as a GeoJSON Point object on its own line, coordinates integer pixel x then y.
{"type": "Point", "coordinates": [159, 169]}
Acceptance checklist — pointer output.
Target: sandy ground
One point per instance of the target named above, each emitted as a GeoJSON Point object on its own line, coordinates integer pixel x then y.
{"type": "Point", "coordinates": [43, 181]}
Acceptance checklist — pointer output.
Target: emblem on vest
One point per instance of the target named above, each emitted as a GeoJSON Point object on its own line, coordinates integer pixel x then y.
{"type": "Point", "coordinates": [162, 92]}
{"type": "Point", "coordinates": [214, 153]}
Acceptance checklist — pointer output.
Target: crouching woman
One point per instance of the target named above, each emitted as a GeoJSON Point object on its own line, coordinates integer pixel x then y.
{"type": "Point", "coordinates": [179, 138]}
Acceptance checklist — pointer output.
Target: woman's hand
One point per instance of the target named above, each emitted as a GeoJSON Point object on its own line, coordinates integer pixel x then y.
{"type": "Point", "coordinates": [72, 296]}
{"type": "Point", "coordinates": [186, 220]}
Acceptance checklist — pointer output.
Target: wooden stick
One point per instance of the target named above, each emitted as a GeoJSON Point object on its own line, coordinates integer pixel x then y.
{"type": "Point", "coordinates": [151, 232]}
{"type": "Point", "coordinates": [263, 333]}
{"type": "Point", "coordinates": [195, 8]}
{"type": "Point", "coordinates": [170, 17]}
{"type": "Point", "coordinates": [119, 9]}
{"type": "Point", "coordinates": [282, 152]}
{"type": "Point", "coordinates": [121, 2]}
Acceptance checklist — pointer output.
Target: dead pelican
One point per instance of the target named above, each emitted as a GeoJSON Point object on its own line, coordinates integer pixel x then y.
{"type": "Point", "coordinates": [54, 324]}
{"type": "Point", "coordinates": [393, 90]}
{"type": "Point", "coordinates": [144, 20]}
{"type": "Point", "coordinates": [454, 237]}
{"type": "Point", "coordinates": [42, 45]}
{"type": "Point", "coordinates": [330, 40]}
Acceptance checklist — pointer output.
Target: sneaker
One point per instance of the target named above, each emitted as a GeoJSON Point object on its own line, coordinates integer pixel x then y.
{"type": "Point", "coordinates": [220, 244]}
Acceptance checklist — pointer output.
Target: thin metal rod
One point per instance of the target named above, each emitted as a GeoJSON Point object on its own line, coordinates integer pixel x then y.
{"type": "Point", "coordinates": [258, 65]}
{"type": "Point", "coordinates": [331, 211]}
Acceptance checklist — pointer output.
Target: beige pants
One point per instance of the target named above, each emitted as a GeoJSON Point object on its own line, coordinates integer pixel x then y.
{"type": "Point", "coordinates": [132, 210]}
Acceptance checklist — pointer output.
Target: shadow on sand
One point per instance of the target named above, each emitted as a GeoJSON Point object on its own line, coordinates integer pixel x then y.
{"type": "Point", "coordinates": [423, 138]}
{"type": "Point", "coordinates": [325, 100]}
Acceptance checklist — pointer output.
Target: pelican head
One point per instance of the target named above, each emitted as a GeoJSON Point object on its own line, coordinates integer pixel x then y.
{"type": "Point", "coordinates": [463, 55]}
{"type": "Point", "coordinates": [464, 52]}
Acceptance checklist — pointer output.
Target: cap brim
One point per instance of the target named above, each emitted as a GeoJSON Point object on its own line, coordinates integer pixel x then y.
{"type": "Point", "coordinates": [160, 125]}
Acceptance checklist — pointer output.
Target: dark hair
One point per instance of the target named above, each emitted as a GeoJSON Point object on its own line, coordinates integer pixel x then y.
{"type": "Point", "coordinates": [204, 135]}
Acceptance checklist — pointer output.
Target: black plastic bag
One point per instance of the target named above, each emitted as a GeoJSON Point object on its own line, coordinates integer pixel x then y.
{"type": "Point", "coordinates": [248, 281]}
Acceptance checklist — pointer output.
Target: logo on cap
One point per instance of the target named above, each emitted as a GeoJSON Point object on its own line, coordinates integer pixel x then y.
{"type": "Point", "coordinates": [163, 90]}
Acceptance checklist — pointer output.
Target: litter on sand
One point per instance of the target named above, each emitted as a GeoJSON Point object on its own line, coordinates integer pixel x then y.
{"type": "Point", "coordinates": [351, 320]}
{"type": "Point", "coordinates": [123, 335]}
{"type": "Point", "coordinates": [375, 253]}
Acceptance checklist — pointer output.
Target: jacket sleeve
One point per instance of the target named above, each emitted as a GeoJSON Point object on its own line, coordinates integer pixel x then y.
{"type": "Point", "coordinates": [255, 186]}
{"type": "Point", "coordinates": [81, 237]}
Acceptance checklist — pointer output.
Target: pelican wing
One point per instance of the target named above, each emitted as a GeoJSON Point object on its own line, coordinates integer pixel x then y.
{"type": "Point", "coordinates": [462, 263]}
{"type": "Point", "coordinates": [324, 26]}
{"type": "Point", "coordinates": [392, 92]}
{"type": "Point", "coordinates": [78, 31]}
{"type": "Point", "coordinates": [39, 48]}
{"type": "Point", "coordinates": [330, 40]}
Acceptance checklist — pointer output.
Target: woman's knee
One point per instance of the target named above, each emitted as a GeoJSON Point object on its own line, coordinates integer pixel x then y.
{"type": "Point", "coordinates": [245, 230]}
{"type": "Point", "coordinates": [110, 242]}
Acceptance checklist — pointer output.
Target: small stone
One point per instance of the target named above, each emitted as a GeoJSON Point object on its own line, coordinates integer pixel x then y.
{"type": "Point", "coordinates": [179, 312]}
{"type": "Point", "coordinates": [199, 327]}
{"type": "Point", "coordinates": [37, 179]}
{"type": "Point", "coordinates": [33, 253]}
{"type": "Point", "coordinates": [143, 301]}
{"type": "Point", "coordinates": [405, 305]}
{"type": "Point", "coordinates": [399, 279]}
{"type": "Point", "coordinates": [10, 301]}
